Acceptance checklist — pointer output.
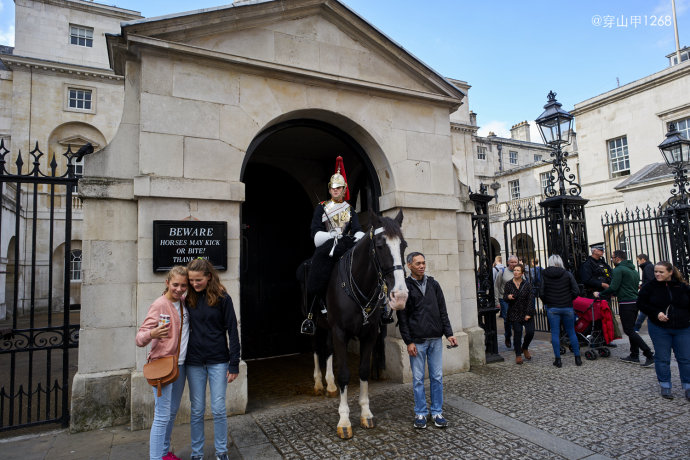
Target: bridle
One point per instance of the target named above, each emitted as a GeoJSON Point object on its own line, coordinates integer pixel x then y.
{"type": "Point", "coordinates": [367, 303]}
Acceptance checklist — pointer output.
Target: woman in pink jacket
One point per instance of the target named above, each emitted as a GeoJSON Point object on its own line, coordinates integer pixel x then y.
{"type": "Point", "coordinates": [164, 339]}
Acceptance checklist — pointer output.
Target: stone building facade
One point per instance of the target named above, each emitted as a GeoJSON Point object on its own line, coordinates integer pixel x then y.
{"type": "Point", "coordinates": [237, 114]}
{"type": "Point", "coordinates": [56, 91]}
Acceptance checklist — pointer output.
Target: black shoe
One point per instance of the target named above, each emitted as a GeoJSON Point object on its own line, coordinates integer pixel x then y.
{"type": "Point", "coordinates": [578, 361]}
{"type": "Point", "coordinates": [557, 362]}
{"type": "Point", "coordinates": [648, 362]}
{"type": "Point", "coordinates": [666, 393]}
{"type": "Point", "coordinates": [630, 359]}
{"type": "Point", "coordinates": [687, 394]}
{"type": "Point", "coordinates": [508, 342]}
{"type": "Point", "coordinates": [611, 345]}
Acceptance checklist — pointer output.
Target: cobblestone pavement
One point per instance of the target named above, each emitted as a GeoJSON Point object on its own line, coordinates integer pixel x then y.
{"type": "Point", "coordinates": [604, 409]}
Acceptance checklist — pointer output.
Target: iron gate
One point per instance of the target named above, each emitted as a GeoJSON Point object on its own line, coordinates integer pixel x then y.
{"type": "Point", "coordinates": [35, 342]}
{"type": "Point", "coordinates": [525, 237]}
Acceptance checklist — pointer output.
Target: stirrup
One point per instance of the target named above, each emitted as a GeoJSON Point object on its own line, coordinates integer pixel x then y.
{"type": "Point", "coordinates": [308, 327]}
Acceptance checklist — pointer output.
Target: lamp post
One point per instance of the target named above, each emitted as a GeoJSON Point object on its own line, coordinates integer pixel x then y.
{"type": "Point", "coordinates": [483, 270]}
{"type": "Point", "coordinates": [566, 229]}
{"type": "Point", "coordinates": [676, 152]}
{"type": "Point", "coordinates": [495, 186]}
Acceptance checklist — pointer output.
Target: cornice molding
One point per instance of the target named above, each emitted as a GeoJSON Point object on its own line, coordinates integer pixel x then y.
{"type": "Point", "coordinates": [636, 87]}
{"type": "Point", "coordinates": [18, 62]}
{"type": "Point", "coordinates": [95, 8]}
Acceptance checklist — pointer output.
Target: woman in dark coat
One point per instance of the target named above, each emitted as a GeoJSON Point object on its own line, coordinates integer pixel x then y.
{"type": "Point", "coordinates": [518, 294]}
{"type": "Point", "coordinates": [666, 301]}
{"type": "Point", "coordinates": [557, 291]}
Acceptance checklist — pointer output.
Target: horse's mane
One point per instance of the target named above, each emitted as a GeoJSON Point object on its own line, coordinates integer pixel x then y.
{"type": "Point", "coordinates": [391, 228]}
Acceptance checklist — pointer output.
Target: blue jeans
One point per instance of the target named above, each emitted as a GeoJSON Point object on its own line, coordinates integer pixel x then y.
{"type": "Point", "coordinates": [430, 350]}
{"type": "Point", "coordinates": [640, 319]}
{"type": "Point", "coordinates": [565, 315]}
{"type": "Point", "coordinates": [218, 382]}
{"type": "Point", "coordinates": [164, 416]}
{"type": "Point", "coordinates": [664, 341]}
{"type": "Point", "coordinates": [504, 314]}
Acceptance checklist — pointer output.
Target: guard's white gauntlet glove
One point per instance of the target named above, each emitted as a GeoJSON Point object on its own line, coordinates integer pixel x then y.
{"type": "Point", "coordinates": [321, 237]}
{"type": "Point", "coordinates": [359, 235]}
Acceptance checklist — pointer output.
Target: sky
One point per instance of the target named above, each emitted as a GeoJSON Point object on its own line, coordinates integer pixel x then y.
{"type": "Point", "coordinates": [511, 52]}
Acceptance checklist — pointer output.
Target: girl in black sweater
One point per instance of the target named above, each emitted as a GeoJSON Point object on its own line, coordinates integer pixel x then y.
{"type": "Point", "coordinates": [666, 301]}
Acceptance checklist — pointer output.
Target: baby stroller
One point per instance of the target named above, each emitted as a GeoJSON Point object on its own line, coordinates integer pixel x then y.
{"type": "Point", "coordinates": [594, 327]}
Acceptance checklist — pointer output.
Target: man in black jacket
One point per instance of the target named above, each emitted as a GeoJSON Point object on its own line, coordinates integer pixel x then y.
{"type": "Point", "coordinates": [595, 273]}
{"type": "Point", "coordinates": [423, 322]}
{"type": "Point", "coordinates": [647, 275]}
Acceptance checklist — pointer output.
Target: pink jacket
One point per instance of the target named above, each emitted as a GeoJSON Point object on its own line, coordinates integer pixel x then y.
{"type": "Point", "coordinates": [166, 346]}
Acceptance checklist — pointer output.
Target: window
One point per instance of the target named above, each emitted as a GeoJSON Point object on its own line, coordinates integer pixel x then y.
{"type": "Point", "coordinates": [75, 265]}
{"type": "Point", "coordinates": [79, 99]}
{"type": "Point", "coordinates": [623, 243]}
{"type": "Point", "coordinates": [81, 36]}
{"type": "Point", "coordinates": [481, 152]}
{"type": "Point", "coordinates": [78, 171]}
{"type": "Point", "coordinates": [619, 160]}
{"type": "Point", "coordinates": [544, 181]}
{"type": "Point", "coordinates": [513, 157]}
{"type": "Point", "coordinates": [537, 157]}
{"type": "Point", "coordinates": [684, 127]}
{"type": "Point", "coordinates": [514, 189]}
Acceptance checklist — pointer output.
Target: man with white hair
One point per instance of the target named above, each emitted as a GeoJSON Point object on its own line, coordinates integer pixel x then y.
{"type": "Point", "coordinates": [502, 278]}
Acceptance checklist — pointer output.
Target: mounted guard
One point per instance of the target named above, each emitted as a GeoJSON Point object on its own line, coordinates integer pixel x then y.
{"type": "Point", "coordinates": [335, 229]}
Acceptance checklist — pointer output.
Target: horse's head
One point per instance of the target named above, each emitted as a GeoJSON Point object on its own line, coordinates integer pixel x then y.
{"type": "Point", "coordinates": [389, 246]}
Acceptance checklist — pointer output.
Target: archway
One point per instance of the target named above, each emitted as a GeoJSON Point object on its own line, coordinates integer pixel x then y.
{"type": "Point", "coordinates": [285, 172]}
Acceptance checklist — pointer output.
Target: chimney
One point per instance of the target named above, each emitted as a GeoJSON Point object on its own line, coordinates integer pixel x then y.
{"type": "Point", "coordinates": [473, 118]}
{"type": "Point", "coordinates": [520, 132]}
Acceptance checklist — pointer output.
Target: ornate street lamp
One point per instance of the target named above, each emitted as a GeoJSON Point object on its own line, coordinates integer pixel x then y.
{"type": "Point", "coordinates": [676, 151]}
{"type": "Point", "coordinates": [555, 128]}
{"type": "Point", "coordinates": [564, 209]}
{"type": "Point", "coordinates": [495, 186]}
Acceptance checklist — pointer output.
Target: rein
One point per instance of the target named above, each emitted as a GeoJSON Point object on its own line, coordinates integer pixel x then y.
{"type": "Point", "coordinates": [367, 303]}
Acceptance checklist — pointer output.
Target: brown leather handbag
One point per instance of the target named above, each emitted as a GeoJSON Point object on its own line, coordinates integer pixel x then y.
{"type": "Point", "coordinates": [162, 371]}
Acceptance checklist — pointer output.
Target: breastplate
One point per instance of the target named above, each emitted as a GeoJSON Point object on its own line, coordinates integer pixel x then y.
{"type": "Point", "coordinates": [336, 215]}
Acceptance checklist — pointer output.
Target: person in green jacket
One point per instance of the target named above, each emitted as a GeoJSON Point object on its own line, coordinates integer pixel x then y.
{"type": "Point", "coordinates": [624, 284]}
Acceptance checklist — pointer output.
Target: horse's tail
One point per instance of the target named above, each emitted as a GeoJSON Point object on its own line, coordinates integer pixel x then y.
{"type": "Point", "coordinates": [378, 355]}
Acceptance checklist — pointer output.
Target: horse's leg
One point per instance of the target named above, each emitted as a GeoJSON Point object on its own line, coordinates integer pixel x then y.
{"type": "Point", "coordinates": [318, 384]}
{"type": "Point", "coordinates": [331, 389]}
{"type": "Point", "coordinates": [366, 418]}
{"type": "Point", "coordinates": [340, 347]}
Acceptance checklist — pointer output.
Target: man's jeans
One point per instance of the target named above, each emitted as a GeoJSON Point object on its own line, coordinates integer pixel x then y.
{"type": "Point", "coordinates": [640, 319]}
{"type": "Point", "coordinates": [664, 340]}
{"type": "Point", "coordinates": [218, 382]}
{"type": "Point", "coordinates": [504, 314]}
{"type": "Point", "coordinates": [565, 315]}
{"type": "Point", "coordinates": [164, 416]}
{"type": "Point", "coordinates": [430, 350]}
{"type": "Point", "coordinates": [628, 313]}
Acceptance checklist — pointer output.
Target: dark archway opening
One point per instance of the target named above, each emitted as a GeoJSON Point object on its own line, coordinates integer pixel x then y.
{"type": "Point", "coordinates": [285, 173]}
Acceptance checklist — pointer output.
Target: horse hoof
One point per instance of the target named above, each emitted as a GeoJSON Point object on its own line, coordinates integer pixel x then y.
{"type": "Point", "coordinates": [318, 392]}
{"type": "Point", "coordinates": [332, 394]}
{"type": "Point", "coordinates": [345, 432]}
{"type": "Point", "coordinates": [366, 422]}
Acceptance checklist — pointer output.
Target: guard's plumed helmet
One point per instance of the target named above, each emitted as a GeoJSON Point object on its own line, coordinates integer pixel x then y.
{"type": "Point", "coordinates": [338, 179]}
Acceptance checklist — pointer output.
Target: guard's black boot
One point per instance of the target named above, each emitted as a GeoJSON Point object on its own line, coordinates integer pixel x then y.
{"type": "Point", "coordinates": [387, 317]}
{"type": "Point", "coordinates": [557, 362]}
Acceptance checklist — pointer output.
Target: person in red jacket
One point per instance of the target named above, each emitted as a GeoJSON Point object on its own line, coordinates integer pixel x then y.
{"type": "Point", "coordinates": [164, 338]}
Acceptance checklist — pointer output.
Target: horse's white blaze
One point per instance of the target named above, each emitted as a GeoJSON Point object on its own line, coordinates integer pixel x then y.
{"type": "Point", "coordinates": [398, 295]}
{"type": "Point", "coordinates": [364, 399]}
{"type": "Point", "coordinates": [343, 409]}
{"type": "Point", "coordinates": [330, 378]}
{"type": "Point", "coordinates": [318, 384]}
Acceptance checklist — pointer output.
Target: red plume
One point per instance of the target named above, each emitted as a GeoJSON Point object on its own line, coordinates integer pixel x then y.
{"type": "Point", "coordinates": [339, 165]}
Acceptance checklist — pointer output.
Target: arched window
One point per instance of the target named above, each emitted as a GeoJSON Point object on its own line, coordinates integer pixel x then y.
{"type": "Point", "coordinates": [75, 265]}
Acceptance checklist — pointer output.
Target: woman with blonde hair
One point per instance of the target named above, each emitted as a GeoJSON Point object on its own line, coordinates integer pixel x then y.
{"type": "Point", "coordinates": [164, 338]}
